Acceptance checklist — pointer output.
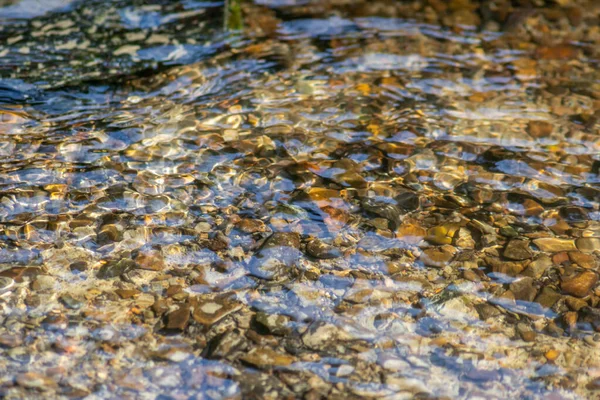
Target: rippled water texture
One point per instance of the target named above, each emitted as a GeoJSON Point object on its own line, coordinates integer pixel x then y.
{"type": "Point", "coordinates": [343, 199]}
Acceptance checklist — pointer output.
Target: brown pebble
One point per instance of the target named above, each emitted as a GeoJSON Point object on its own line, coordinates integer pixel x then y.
{"type": "Point", "coordinates": [528, 336]}
{"type": "Point", "coordinates": [178, 319]}
{"type": "Point", "coordinates": [552, 355]}
{"type": "Point", "coordinates": [570, 319]}
{"type": "Point", "coordinates": [10, 341]}
{"type": "Point", "coordinates": [575, 303]}
{"type": "Point", "coordinates": [78, 266]}
{"type": "Point", "coordinates": [560, 258]}
{"type": "Point", "coordinates": [127, 293]}
{"type": "Point", "coordinates": [34, 380]}
{"type": "Point", "coordinates": [583, 260]}
{"type": "Point", "coordinates": [523, 289]}
{"type": "Point", "coordinates": [539, 129]}
{"type": "Point", "coordinates": [438, 256]}
{"type": "Point", "coordinates": [580, 285]}
{"type": "Point", "coordinates": [557, 52]}
{"type": "Point", "coordinates": [588, 244]}
{"type": "Point", "coordinates": [247, 225]}
{"type": "Point", "coordinates": [173, 290]}
{"type": "Point", "coordinates": [555, 245]}
{"type": "Point", "coordinates": [160, 307]}
{"type": "Point", "coordinates": [150, 260]}
{"type": "Point", "coordinates": [518, 249]}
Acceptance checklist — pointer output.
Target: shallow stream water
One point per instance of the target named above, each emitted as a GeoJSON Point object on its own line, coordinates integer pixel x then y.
{"type": "Point", "coordinates": [341, 199]}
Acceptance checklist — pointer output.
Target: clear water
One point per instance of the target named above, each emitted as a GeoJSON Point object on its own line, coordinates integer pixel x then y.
{"type": "Point", "coordinates": [342, 199]}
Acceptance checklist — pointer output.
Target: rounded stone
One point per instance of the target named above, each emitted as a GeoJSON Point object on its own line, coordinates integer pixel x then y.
{"type": "Point", "coordinates": [580, 285]}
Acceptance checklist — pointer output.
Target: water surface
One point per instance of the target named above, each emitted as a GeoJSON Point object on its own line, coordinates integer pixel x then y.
{"type": "Point", "coordinates": [342, 199]}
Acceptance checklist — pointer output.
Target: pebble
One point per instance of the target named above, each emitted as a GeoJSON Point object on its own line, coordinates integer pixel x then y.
{"type": "Point", "coordinates": [267, 357]}
{"type": "Point", "coordinates": [248, 225]}
{"type": "Point", "coordinates": [127, 293]}
{"type": "Point", "coordinates": [548, 297]}
{"type": "Point", "coordinates": [580, 285]}
{"type": "Point", "coordinates": [526, 333]}
{"type": "Point", "coordinates": [10, 341]}
{"type": "Point", "coordinates": [523, 289]}
{"type": "Point", "coordinates": [78, 266]}
{"type": "Point", "coordinates": [410, 233]}
{"type": "Point", "coordinates": [319, 249]}
{"type": "Point", "coordinates": [210, 311]}
{"type": "Point", "coordinates": [114, 269]}
{"type": "Point", "coordinates": [320, 335]}
{"type": "Point", "coordinates": [34, 380]}
{"type": "Point", "coordinates": [552, 355]}
{"type": "Point", "coordinates": [72, 302]}
{"type": "Point", "coordinates": [438, 256]}
{"type": "Point", "coordinates": [538, 266]}
{"type": "Point", "coordinates": [43, 282]}
{"type": "Point", "coordinates": [442, 234]}
{"type": "Point", "coordinates": [160, 306]}
{"type": "Point", "coordinates": [555, 245]}
{"type": "Point", "coordinates": [583, 260]}
{"type": "Point", "coordinates": [575, 303]}
{"type": "Point", "coordinates": [539, 129]}
{"type": "Point", "coordinates": [588, 244]}
{"type": "Point", "coordinates": [557, 52]}
{"type": "Point", "coordinates": [518, 249]}
{"type": "Point", "coordinates": [6, 284]}
{"type": "Point", "coordinates": [150, 260]}
{"type": "Point", "coordinates": [279, 252]}
{"type": "Point", "coordinates": [178, 319]}
{"type": "Point", "coordinates": [275, 324]}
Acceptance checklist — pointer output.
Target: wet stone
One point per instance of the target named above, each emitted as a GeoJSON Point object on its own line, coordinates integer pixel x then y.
{"type": "Point", "coordinates": [509, 231]}
{"type": "Point", "coordinates": [537, 267]}
{"type": "Point", "coordinates": [588, 244]}
{"type": "Point", "coordinates": [579, 285]}
{"type": "Point", "coordinates": [442, 234]}
{"type": "Point", "coordinates": [114, 269]}
{"type": "Point", "coordinates": [277, 255]}
{"type": "Point", "coordinates": [526, 333]}
{"type": "Point", "coordinates": [127, 293]}
{"type": "Point", "coordinates": [34, 380]}
{"type": "Point", "coordinates": [72, 302]}
{"type": "Point", "coordinates": [319, 249]}
{"type": "Point", "coordinates": [555, 245]}
{"type": "Point", "coordinates": [210, 311]}
{"type": "Point", "coordinates": [518, 249]}
{"type": "Point", "coordinates": [150, 260]}
{"type": "Point", "coordinates": [539, 129]}
{"type": "Point", "coordinates": [438, 257]}
{"type": "Point", "coordinates": [6, 284]}
{"type": "Point", "coordinates": [43, 283]}
{"type": "Point", "coordinates": [333, 199]}
{"type": "Point", "coordinates": [574, 303]}
{"type": "Point", "coordinates": [178, 319]}
{"type": "Point", "coordinates": [583, 260]}
{"type": "Point", "coordinates": [78, 266]}
{"type": "Point", "coordinates": [388, 210]}
{"type": "Point", "coordinates": [411, 233]}
{"type": "Point", "coordinates": [160, 307]}
{"type": "Point", "coordinates": [524, 289]}
{"type": "Point", "coordinates": [548, 297]}
{"type": "Point", "coordinates": [275, 324]}
{"type": "Point", "coordinates": [247, 225]}
{"type": "Point", "coordinates": [10, 340]}
{"type": "Point", "coordinates": [321, 335]}
{"type": "Point", "coordinates": [267, 357]}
